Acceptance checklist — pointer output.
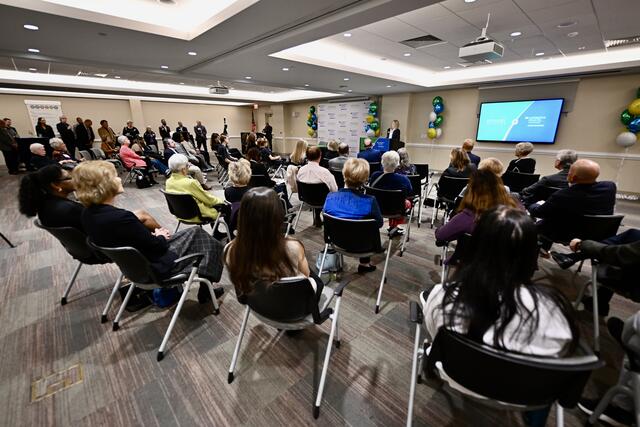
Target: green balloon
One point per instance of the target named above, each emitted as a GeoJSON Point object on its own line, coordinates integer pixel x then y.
{"type": "Point", "coordinates": [373, 107]}
{"type": "Point", "coordinates": [309, 123]}
{"type": "Point", "coordinates": [437, 100]}
{"type": "Point", "coordinates": [626, 117]}
{"type": "Point", "coordinates": [374, 125]}
{"type": "Point", "coordinates": [312, 109]}
{"type": "Point", "coordinates": [438, 121]}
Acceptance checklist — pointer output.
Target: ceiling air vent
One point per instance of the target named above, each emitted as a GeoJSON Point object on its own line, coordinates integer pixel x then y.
{"type": "Point", "coordinates": [627, 41]}
{"type": "Point", "coordinates": [422, 41]}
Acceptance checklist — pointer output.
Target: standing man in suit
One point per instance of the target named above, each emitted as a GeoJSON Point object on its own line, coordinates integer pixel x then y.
{"type": "Point", "coordinates": [67, 136]}
{"type": "Point", "coordinates": [201, 140]}
{"type": "Point", "coordinates": [165, 131]}
{"type": "Point", "coordinates": [82, 135]}
{"type": "Point", "coordinates": [537, 191]}
{"type": "Point", "coordinates": [9, 148]}
{"type": "Point", "coordinates": [584, 196]}
{"type": "Point", "coordinates": [91, 136]}
{"type": "Point", "coordinates": [467, 146]}
{"type": "Point", "coordinates": [183, 130]}
{"type": "Point", "coordinates": [12, 131]}
{"type": "Point", "coordinates": [268, 133]}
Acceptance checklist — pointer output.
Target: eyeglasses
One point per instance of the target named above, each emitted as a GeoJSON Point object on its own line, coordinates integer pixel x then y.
{"type": "Point", "coordinates": [66, 178]}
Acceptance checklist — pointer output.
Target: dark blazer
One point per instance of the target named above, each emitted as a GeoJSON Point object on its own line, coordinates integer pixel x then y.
{"type": "Point", "coordinates": [150, 138]}
{"type": "Point", "coordinates": [370, 155]}
{"type": "Point", "coordinates": [522, 165]}
{"type": "Point", "coordinates": [625, 255]}
{"type": "Point", "coordinates": [60, 212]}
{"type": "Point", "coordinates": [82, 136]}
{"type": "Point", "coordinates": [396, 134]}
{"type": "Point", "coordinates": [260, 169]}
{"type": "Point", "coordinates": [109, 226]}
{"type": "Point", "coordinates": [455, 173]}
{"type": "Point", "coordinates": [561, 210]}
{"type": "Point", "coordinates": [47, 132]}
{"type": "Point", "coordinates": [165, 132]}
{"type": "Point", "coordinates": [132, 133]}
{"type": "Point", "coordinates": [91, 136]}
{"type": "Point", "coordinates": [66, 133]}
{"type": "Point", "coordinates": [534, 193]}
{"type": "Point", "coordinates": [38, 162]}
{"type": "Point", "coordinates": [200, 133]}
{"type": "Point", "coordinates": [473, 158]}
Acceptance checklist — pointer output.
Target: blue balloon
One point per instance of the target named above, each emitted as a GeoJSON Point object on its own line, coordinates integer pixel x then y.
{"type": "Point", "coordinates": [438, 108]}
{"type": "Point", "coordinates": [431, 125]}
{"type": "Point", "coordinates": [314, 126]}
{"type": "Point", "coordinates": [634, 125]}
{"type": "Point", "coordinates": [314, 117]}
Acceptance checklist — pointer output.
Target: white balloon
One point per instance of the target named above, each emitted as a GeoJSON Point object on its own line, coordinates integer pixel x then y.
{"type": "Point", "coordinates": [626, 139]}
{"type": "Point", "coordinates": [371, 133]}
{"type": "Point", "coordinates": [433, 116]}
{"type": "Point", "coordinates": [438, 133]}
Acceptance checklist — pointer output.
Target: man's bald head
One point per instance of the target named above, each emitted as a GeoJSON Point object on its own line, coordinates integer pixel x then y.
{"type": "Point", "coordinates": [584, 171]}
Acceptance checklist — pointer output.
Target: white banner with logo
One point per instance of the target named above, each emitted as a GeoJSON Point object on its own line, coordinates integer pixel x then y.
{"type": "Point", "coordinates": [49, 110]}
{"type": "Point", "coordinates": [344, 122]}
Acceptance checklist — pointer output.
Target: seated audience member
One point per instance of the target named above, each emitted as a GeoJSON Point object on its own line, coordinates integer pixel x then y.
{"type": "Point", "coordinates": [522, 163]}
{"type": "Point", "coordinates": [313, 173]}
{"type": "Point", "coordinates": [257, 168]}
{"type": "Point", "coordinates": [621, 251]}
{"type": "Point", "coordinates": [405, 167]}
{"type": "Point", "coordinates": [141, 148]}
{"type": "Point", "coordinates": [215, 142]}
{"type": "Point", "coordinates": [389, 179]}
{"type": "Point", "coordinates": [97, 185]}
{"type": "Point", "coordinates": [299, 155]}
{"type": "Point", "coordinates": [484, 192]}
{"type": "Point", "coordinates": [110, 149]}
{"type": "Point", "coordinates": [585, 196]}
{"type": "Point", "coordinates": [467, 147]}
{"type": "Point", "coordinates": [181, 183]}
{"type": "Point", "coordinates": [369, 154]}
{"type": "Point", "coordinates": [39, 157]}
{"type": "Point", "coordinates": [239, 177]}
{"type": "Point", "coordinates": [225, 152]}
{"type": "Point", "coordinates": [338, 163]}
{"type": "Point", "coordinates": [130, 131]}
{"type": "Point", "coordinates": [60, 153]}
{"type": "Point", "coordinates": [67, 136]}
{"type": "Point", "coordinates": [351, 202]}
{"type": "Point", "coordinates": [150, 137]}
{"type": "Point", "coordinates": [194, 153]}
{"type": "Point", "coordinates": [273, 256]}
{"type": "Point", "coordinates": [535, 192]}
{"type": "Point", "coordinates": [332, 150]}
{"type": "Point", "coordinates": [251, 141]}
{"type": "Point", "coordinates": [459, 166]}
{"type": "Point", "coordinates": [131, 160]}
{"type": "Point", "coordinates": [45, 193]}
{"type": "Point", "coordinates": [171, 148]}
{"type": "Point", "coordinates": [266, 154]}
{"type": "Point", "coordinates": [492, 164]}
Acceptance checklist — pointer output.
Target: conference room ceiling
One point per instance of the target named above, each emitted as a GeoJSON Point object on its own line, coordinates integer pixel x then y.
{"type": "Point", "coordinates": [254, 39]}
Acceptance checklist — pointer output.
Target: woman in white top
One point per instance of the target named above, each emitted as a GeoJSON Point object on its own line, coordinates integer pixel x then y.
{"type": "Point", "coordinates": [491, 298]}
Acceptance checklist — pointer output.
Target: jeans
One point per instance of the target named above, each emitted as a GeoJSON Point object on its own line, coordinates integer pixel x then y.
{"type": "Point", "coordinates": [159, 165]}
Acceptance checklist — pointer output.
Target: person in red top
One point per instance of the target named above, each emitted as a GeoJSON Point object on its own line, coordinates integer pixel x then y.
{"type": "Point", "coordinates": [131, 159]}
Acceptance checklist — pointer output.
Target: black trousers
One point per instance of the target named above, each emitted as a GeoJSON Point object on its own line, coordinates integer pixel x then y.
{"type": "Point", "coordinates": [11, 159]}
{"type": "Point", "coordinates": [201, 144]}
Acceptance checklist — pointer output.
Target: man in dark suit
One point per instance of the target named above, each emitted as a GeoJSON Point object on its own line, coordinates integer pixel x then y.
{"type": "Point", "coordinates": [67, 136]}
{"type": "Point", "coordinates": [90, 135]}
{"type": "Point", "coordinates": [584, 196]}
{"type": "Point", "coordinates": [9, 148]}
{"type": "Point", "coordinates": [538, 191]}
{"type": "Point", "coordinates": [268, 133]}
{"type": "Point", "coordinates": [467, 146]}
{"type": "Point", "coordinates": [183, 130]}
{"type": "Point", "coordinates": [201, 140]}
{"type": "Point", "coordinates": [165, 131]}
{"type": "Point", "coordinates": [82, 135]}
{"type": "Point", "coordinates": [369, 154]}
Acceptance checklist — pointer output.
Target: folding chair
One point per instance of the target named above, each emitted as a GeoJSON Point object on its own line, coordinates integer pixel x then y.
{"type": "Point", "coordinates": [132, 172]}
{"type": "Point", "coordinates": [494, 377]}
{"type": "Point", "coordinates": [291, 304]}
{"type": "Point", "coordinates": [416, 194]}
{"type": "Point", "coordinates": [462, 245]}
{"type": "Point", "coordinates": [517, 181]}
{"type": "Point", "coordinates": [391, 204]}
{"type": "Point", "coordinates": [312, 196]}
{"type": "Point", "coordinates": [99, 154]}
{"type": "Point", "coordinates": [86, 155]}
{"type": "Point", "coordinates": [425, 180]}
{"type": "Point", "coordinates": [338, 176]}
{"type": "Point", "coordinates": [374, 167]}
{"type": "Point", "coordinates": [448, 188]}
{"type": "Point", "coordinates": [260, 181]}
{"type": "Point", "coordinates": [186, 211]}
{"type": "Point", "coordinates": [138, 269]}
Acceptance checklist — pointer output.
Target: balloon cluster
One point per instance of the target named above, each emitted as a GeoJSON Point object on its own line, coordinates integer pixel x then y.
{"type": "Point", "coordinates": [312, 121]}
{"type": "Point", "coordinates": [631, 119]}
{"type": "Point", "coordinates": [372, 128]}
{"type": "Point", "coordinates": [435, 118]}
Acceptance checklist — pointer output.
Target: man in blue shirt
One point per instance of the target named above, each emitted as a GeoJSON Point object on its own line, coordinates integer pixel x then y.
{"type": "Point", "coordinates": [369, 154]}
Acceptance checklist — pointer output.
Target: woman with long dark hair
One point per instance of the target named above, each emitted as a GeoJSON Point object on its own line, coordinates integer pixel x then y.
{"type": "Point", "coordinates": [260, 251]}
{"type": "Point", "coordinates": [43, 130]}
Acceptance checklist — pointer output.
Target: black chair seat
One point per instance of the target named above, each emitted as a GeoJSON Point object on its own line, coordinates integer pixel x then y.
{"type": "Point", "coordinates": [314, 195]}
{"type": "Point", "coordinates": [517, 181]}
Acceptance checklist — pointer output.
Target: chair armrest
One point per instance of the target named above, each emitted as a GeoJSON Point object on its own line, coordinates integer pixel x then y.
{"type": "Point", "coordinates": [224, 208]}
{"type": "Point", "coordinates": [338, 291]}
{"type": "Point", "coordinates": [415, 313]}
{"type": "Point", "coordinates": [324, 315]}
{"type": "Point", "coordinates": [197, 259]}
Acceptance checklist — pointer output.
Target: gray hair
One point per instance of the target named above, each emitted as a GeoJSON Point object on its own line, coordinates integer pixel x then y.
{"type": "Point", "coordinates": [404, 158]}
{"type": "Point", "coordinates": [122, 138]}
{"type": "Point", "coordinates": [177, 162]}
{"type": "Point", "coordinates": [35, 147]}
{"type": "Point", "coordinates": [390, 161]}
{"type": "Point", "coordinates": [523, 149]}
{"type": "Point", "coordinates": [567, 157]}
{"type": "Point", "coordinates": [55, 143]}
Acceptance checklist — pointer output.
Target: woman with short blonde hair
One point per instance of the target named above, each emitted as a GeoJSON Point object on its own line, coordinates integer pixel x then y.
{"type": "Point", "coordinates": [332, 150]}
{"type": "Point", "coordinates": [522, 163]}
{"type": "Point", "coordinates": [239, 175]}
{"type": "Point", "coordinates": [492, 164]}
{"type": "Point", "coordinates": [96, 182]}
{"type": "Point", "coordinates": [355, 172]}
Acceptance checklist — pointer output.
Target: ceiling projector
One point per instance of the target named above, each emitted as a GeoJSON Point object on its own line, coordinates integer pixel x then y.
{"type": "Point", "coordinates": [218, 90]}
{"type": "Point", "coordinates": [481, 49]}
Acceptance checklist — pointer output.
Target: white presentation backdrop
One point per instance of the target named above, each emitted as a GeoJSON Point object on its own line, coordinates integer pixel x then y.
{"type": "Point", "coordinates": [50, 110]}
{"type": "Point", "coordinates": [343, 122]}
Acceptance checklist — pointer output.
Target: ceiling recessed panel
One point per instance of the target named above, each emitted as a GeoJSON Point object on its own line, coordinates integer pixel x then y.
{"type": "Point", "coordinates": [619, 18]}
{"type": "Point", "coordinates": [505, 16]}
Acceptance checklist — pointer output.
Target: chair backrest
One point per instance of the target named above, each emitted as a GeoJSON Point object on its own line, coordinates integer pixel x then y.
{"type": "Point", "coordinates": [422, 170]}
{"type": "Point", "coordinates": [260, 181]}
{"type": "Point", "coordinates": [416, 185]}
{"type": "Point", "coordinates": [517, 181]}
{"type": "Point", "coordinates": [545, 192]}
{"type": "Point", "coordinates": [338, 176]}
{"type": "Point", "coordinates": [287, 300]}
{"type": "Point", "coordinates": [312, 194]}
{"type": "Point", "coordinates": [598, 227]}
{"type": "Point", "coordinates": [135, 266]}
{"type": "Point", "coordinates": [374, 167]}
{"type": "Point", "coordinates": [449, 187]}
{"type": "Point", "coordinates": [391, 202]}
{"type": "Point", "coordinates": [153, 148]}
{"type": "Point", "coordinates": [75, 243]}
{"type": "Point", "coordinates": [98, 153]}
{"type": "Point", "coordinates": [357, 236]}
{"type": "Point", "coordinates": [499, 375]}
{"type": "Point", "coordinates": [182, 206]}
{"type": "Point", "coordinates": [85, 154]}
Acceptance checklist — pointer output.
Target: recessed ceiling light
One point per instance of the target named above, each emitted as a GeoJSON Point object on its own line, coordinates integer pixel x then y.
{"type": "Point", "coordinates": [116, 77]}
{"type": "Point", "coordinates": [566, 24]}
{"type": "Point", "coordinates": [33, 69]}
{"type": "Point", "coordinates": [582, 48]}
{"type": "Point", "coordinates": [446, 67]}
{"type": "Point", "coordinates": [516, 34]}
{"type": "Point", "coordinates": [34, 50]}
{"type": "Point", "coordinates": [347, 34]}
{"type": "Point", "coordinates": [181, 83]}
{"type": "Point", "coordinates": [469, 1]}
{"type": "Point", "coordinates": [573, 34]}
{"type": "Point", "coordinates": [306, 85]}
{"type": "Point", "coordinates": [406, 54]}
{"type": "Point", "coordinates": [540, 54]}
{"type": "Point", "coordinates": [349, 90]}
{"type": "Point", "coordinates": [346, 79]}
{"type": "Point", "coordinates": [31, 27]}
{"type": "Point", "coordinates": [388, 85]}
{"type": "Point", "coordinates": [285, 69]}
{"type": "Point", "coordinates": [248, 77]}
{"type": "Point", "coordinates": [192, 53]}
{"type": "Point", "coordinates": [100, 74]}
{"type": "Point", "coordinates": [164, 67]}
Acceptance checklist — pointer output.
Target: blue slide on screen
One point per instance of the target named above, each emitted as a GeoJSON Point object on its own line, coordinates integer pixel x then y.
{"type": "Point", "coordinates": [515, 121]}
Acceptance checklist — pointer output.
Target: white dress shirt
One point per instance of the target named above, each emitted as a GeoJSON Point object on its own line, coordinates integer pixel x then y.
{"type": "Point", "coordinates": [313, 173]}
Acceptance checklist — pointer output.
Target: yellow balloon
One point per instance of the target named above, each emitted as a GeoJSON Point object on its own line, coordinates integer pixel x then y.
{"type": "Point", "coordinates": [310, 132]}
{"type": "Point", "coordinates": [370, 118]}
{"type": "Point", "coordinates": [378, 132]}
{"type": "Point", "coordinates": [634, 107]}
{"type": "Point", "coordinates": [431, 133]}
{"type": "Point", "coordinates": [309, 116]}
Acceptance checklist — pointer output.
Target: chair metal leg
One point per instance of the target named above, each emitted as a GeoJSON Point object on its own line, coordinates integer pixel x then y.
{"type": "Point", "coordinates": [236, 351]}
{"type": "Point", "coordinates": [414, 376]}
{"type": "Point", "coordinates": [406, 234]}
{"type": "Point", "coordinates": [384, 275]}
{"type": "Point", "coordinates": [63, 300]}
{"type": "Point", "coordinates": [295, 225]}
{"type": "Point", "coordinates": [596, 320]}
{"type": "Point", "coordinates": [434, 212]}
{"type": "Point", "coordinates": [7, 240]}
{"type": "Point", "coordinates": [619, 388]}
{"type": "Point", "coordinates": [114, 291]}
{"type": "Point", "coordinates": [116, 324]}
{"type": "Point", "coordinates": [216, 307]}
{"type": "Point", "coordinates": [559, 415]}
{"type": "Point", "coordinates": [445, 252]}
{"type": "Point", "coordinates": [327, 355]}
{"type": "Point", "coordinates": [176, 314]}
{"type": "Point", "coordinates": [177, 226]}
{"type": "Point", "coordinates": [324, 256]}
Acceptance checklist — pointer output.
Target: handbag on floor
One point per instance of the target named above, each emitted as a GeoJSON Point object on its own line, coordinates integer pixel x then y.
{"type": "Point", "coordinates": [332, 263]}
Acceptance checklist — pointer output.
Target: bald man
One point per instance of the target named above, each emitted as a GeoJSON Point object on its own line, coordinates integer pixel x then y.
{"type": "Point", "coordinates": [467, 146]}
{"type": "Point", "coordinates": [585, 196]}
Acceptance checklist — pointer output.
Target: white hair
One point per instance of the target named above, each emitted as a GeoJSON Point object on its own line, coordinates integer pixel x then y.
{"type": "Point", "coordinates": [177, 162]}
{"type": "Point", "coordinates": [36, 146]}
{"type": "Point", "coordinates": [122, 138]}
{"type": "Point", "coordinates": [55, 143]}
{"type": "Point", "coordinates": [390, 161]}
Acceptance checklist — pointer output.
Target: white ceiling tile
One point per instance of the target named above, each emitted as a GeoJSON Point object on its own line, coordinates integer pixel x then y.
{"type": "Point", "coordinates": [505, 16]}
{"type": "Point", "coordinates": [460, 5]}
{"type": "Point", "coordinates": [618, 18]}
{"type": "Point", "coordinates": [433, 11]}
{"type": "Point", "coordinates": [575, 10]}
{"type": "Point", "coordinates": [531, 5]}
{"type": "Point", "coordinates": [393, 29]}
{"type": "Point", "coordinates": [527, 46]}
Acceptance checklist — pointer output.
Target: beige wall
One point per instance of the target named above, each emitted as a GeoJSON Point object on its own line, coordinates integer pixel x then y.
{"type": "Point", "coordinates": [296, 127]}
